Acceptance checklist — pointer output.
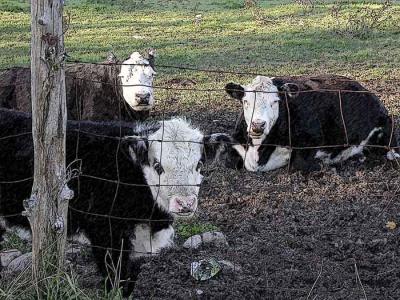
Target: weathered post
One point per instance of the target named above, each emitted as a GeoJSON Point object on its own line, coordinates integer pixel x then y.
{"type": "Point", "coordinates": [47, 207]}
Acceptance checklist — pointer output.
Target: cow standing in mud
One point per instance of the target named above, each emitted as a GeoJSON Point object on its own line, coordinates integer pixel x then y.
{"type": "Point", "coordinates": [307, 120]}
{"type": "Point", "coordinates": [131, 181]}
{"type": "Point", "coordinates": [107, 91]}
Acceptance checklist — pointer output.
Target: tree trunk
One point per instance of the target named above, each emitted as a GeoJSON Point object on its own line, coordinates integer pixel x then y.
{"type": "Point", "coordinates": [47, 207]}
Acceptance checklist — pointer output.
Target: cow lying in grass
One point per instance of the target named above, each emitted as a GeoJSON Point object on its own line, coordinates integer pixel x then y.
{"type": "Point", "coordinates": [129, 189]}
{"type": "Point", "coordinates": [91, 89]}
{"type": "Point", "coordinates": [309, 114]}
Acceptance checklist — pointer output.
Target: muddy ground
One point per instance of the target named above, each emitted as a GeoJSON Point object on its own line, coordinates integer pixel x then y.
{"type": "Point", "coordinates": [290, 233]}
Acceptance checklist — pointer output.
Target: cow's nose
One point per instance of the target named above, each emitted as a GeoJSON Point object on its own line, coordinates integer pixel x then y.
{"type": "Point", "coordinates": [258, 126]}
{"type": "Point", "coordinates": [186, 205]}
{"type": "Point", "coordinates": [143, 99]}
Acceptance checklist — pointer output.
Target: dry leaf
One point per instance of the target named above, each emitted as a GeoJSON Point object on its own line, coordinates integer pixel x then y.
{"type": "Point", "coordinates": [391, 225]}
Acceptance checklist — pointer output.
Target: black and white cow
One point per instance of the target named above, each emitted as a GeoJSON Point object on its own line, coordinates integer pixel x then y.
{"type": "Point", "coordinates": [109, 91]}
{"type": "Point", "coordinates": [150, 175]}
{"type": "Point", "coordinates": [306, 113]}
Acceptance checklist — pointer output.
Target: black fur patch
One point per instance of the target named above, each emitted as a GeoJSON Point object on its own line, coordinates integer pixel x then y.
{"type": "Point", "coordinates": [129, 201]}
{"type": "Point", "coordinates": [235, 90]}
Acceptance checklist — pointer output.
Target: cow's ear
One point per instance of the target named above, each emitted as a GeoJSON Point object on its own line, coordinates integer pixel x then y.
{"type": "Point", "coordinates": [235, 90]}
{"type": "Point", "coordinates": [138, 148]}
{"type": "Point", "coordinates": [292, 89]}
{"type": "Point", "coordinates": [215, 145]}
{"type": "Point", "coordinates": [151, 58]}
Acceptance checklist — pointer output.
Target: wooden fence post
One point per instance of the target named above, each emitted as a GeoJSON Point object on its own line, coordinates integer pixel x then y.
{"type": "Point", "coordinates": [47, 207]}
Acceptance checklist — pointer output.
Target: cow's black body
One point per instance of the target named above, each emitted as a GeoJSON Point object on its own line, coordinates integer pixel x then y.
{"type": "Point", "coordinates": [93, 92]}
{"type": "Point", "coordinates": [320, 119]}
{"type": "Point", "coordinates": [125, 198]}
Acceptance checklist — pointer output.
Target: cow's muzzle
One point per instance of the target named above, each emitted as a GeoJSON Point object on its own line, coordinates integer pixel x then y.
{"type": "Point", "coordinates": [143, 99]}
{"type": "Point", "coordinates": [183, 206]}
{"type": "Point", "coordinates": [257, 128]}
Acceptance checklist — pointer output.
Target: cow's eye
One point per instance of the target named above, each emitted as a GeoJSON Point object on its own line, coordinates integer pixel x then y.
{"type": "Point", "coordinates": [158, 167]}
{"type": "Point", "coordinates": [199, 166]}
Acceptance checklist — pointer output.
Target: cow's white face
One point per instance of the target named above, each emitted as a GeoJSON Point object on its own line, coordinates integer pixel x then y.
{"type": "Point", "coordinates": [172, 165]}
{"type": "Point", "coordinates": [137, 82]}
{"type": "Point", "coordinates": [260, 101]}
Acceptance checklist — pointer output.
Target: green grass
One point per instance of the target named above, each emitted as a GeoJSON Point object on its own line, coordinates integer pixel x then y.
{"type": "Point", "coordinates": [62, 285]}
{"type": "Point", "coordinates": [293, 41]}
{"type": "Point", "coordinates": [13, 241]}
{"type": "Point", "coordinates": [59, 287]}
{"type": "Point", "coordinates": [189, 228]}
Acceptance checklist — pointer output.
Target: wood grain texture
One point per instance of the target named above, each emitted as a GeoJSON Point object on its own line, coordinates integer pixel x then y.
{"type": "Point", "coordinates": [49, 131]}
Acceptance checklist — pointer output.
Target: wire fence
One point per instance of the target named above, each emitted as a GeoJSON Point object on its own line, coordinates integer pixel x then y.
{"type": "Point", "coordinates": [118, 182]}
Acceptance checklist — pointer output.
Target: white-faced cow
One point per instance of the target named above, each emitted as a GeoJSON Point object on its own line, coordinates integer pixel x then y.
{"type": "Point", "coordinates": [108, 91]}
{"type": "Point", "coordinates": [310, 116]}
{"type": "Point", "coordinates": [128, 190]}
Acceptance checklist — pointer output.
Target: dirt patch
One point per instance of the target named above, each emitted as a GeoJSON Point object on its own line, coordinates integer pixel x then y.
{"type": "Point", "coordinates": [292, 236]}
{"type": "Point", "coordinates": [321, 236]}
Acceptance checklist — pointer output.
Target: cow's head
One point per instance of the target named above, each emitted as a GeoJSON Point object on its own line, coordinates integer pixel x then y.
{"type": "Point", "coordinates": [137, 75]}
{"type": "Point", "coordinates": [172, 159]}
{"type": "Point", "coordinates": [260, 101]}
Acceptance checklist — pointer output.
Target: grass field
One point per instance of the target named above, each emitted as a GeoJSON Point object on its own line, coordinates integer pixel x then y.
{"type": "Point", "coordinates": [289, 39]}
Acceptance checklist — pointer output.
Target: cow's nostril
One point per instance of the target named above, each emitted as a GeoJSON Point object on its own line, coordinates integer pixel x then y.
{"type": "Point", "coordinates": [143, 98]}
{"type": "Point", "coordinates": [258, 126]}
{"type": "Point", "coordinates": [186, 210]}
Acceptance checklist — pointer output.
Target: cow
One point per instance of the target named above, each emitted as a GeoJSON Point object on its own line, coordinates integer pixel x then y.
{"type": "Point", "coordinates": [305, 121]}
{"type": "Point", "coordinates": [105, 91]}
{"type": "Point", "coordinates": [131, 180]}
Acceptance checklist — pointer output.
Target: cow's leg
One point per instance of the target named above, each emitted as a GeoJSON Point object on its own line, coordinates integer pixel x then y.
{"type": "Point", "coordinates": [233, 160]}
{"type": "Point", "coordinates": [304, 160]}
{"type": "Point", "coordinates": [146, 243]}
{"type": "Point", "coordinates": [107, 256]}
{"type": "Point", "coordinates": [249, 157]}
{"type": "Point", "coordinates": [240, 150]}
{"type": "Point", "coordinates": [394, 152]}
{"type": "Point", "coordinates": [143, 245]}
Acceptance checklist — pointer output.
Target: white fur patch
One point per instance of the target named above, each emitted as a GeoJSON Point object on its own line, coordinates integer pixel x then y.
{"type": "Point", "coordinates": [261, 103]}
{"type": "Point", "coordinates": [179, 154]}
{"type": "Point", "coordinates": [278, 159]}
{"type": "Point", "coordinates": [392, 155]}
{"type": "Point", "coordinates": [80, 238]}
{"type": "Point", "coordinates": [145, 244]}
{"type": "Point", "coordinates": [250, 157]}
{"type": "Point", "coordinates": [22, 233]}
{"type": "Point", "coordinates": [325, 157]}
{"type": "Point", "coordinates": [67, 193]}
{"type": "Point", "coordinates": [137, 78]}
